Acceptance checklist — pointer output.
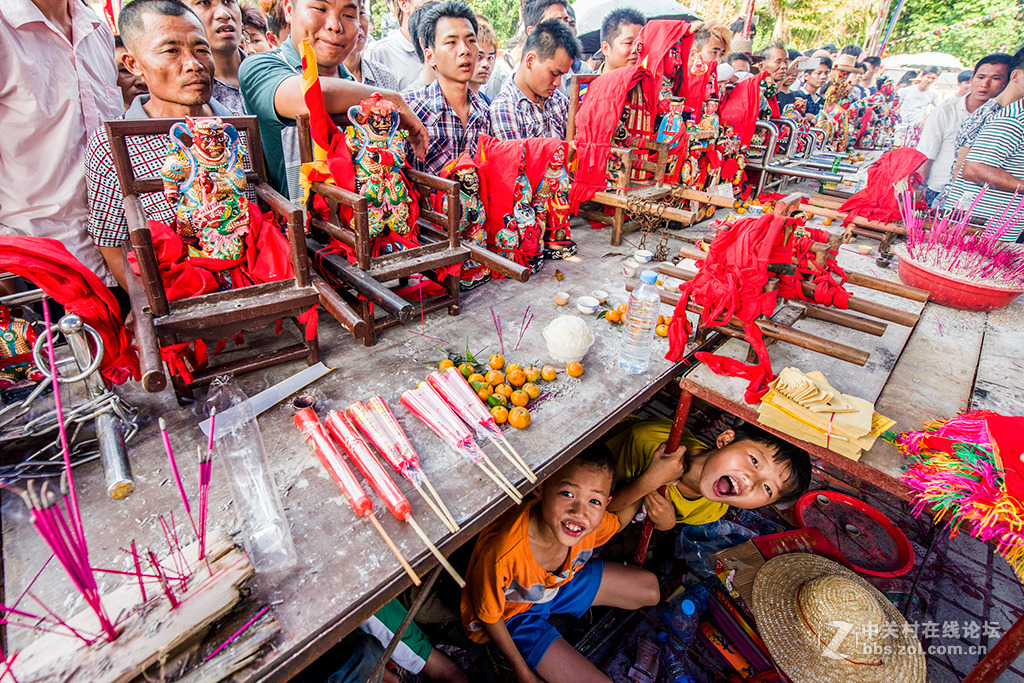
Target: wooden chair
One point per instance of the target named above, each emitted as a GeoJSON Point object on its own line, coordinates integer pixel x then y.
{"type": "Point", "coordinates": [217, 315]}
{"type": "Point", "coordinates": [365, 285]}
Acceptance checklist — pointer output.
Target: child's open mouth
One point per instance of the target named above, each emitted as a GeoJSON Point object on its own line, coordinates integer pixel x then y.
{"type": "Point", "coordinates": [573, 529]}
{"type": "Point", "coordinates": [726, 486]}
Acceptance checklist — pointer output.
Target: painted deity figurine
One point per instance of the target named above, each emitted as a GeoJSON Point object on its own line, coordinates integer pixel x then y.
{"type": "Point", "coordinates": [16, 339]}
{"type": "Point", "coordinates": [471, 222]}
{"type": "Point", "coordinates": [205, 183]}
{"type": "Point", "coordinates": [378, 157]}
{"type": "Point", "coordinates": [519, 237]}
{"type": "Point", "coordinates": [551, 202]}
{"type": "Point", "coordinates": [709, 125]}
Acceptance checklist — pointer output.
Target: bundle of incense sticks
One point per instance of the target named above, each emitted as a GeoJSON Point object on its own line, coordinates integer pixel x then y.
{"type": "Point", "coordinates": [456, 392]}
{"type": "Point", "coordinates": [205, 470]}
{"type": "Point", "coordinates": [375, 420]}
{"type": "Point", "coordinates": [359, 453]}
{"type": "Point", "coordinates": [425, 403]}
{"type": "Point", "coordinates": [330, 457]}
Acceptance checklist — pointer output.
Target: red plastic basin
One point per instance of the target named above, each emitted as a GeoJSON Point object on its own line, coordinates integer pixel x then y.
{"type": "Point", "coordinates": [954, 292]}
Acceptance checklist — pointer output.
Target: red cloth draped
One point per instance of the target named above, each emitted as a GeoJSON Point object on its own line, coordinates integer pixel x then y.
{"type": "Point", "coordinates": [654, 45]}
{"type": "Point", "coordinates": [596, 120]}
{"type": "Point", "coordinates": [877, 201]}
{"type": "Point", "coordinates": [740, 107]}
{"type": "Point", "coordinates": [48, 264]}
{"type": "Point", "coordinates": [730, 284]}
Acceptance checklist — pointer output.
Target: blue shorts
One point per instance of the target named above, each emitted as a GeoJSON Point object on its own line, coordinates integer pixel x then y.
{"type": "Point", "coordinates": [530, 630]}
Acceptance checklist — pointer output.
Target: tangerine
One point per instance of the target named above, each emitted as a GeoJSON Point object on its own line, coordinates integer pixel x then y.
{"type": "Point", "coordinates": [548, 373]}
{"type": "Point", "coordinates": [484, 392]}
{"type": "Point", "coordinates": [661, 330]}
{"type": "Point", "coordinates": [503, 390]}
{"type": "Point", "coordinates": [445, 364]}
{"type": "Point", "coordinates": [612, 316]}
{"type": "Point", "coordinates": [532, 373]}
{"type": "Point", "coordinates": [497, 399]}
{"type": "Point", "coordinates": [519, 398]}
{"type": "Point", "coordinates": [519, 417]}
{"type": "Point", "coordinates": [477, 377]}
{"type": "Point", "coordinates": [495, 377]}
{"type": "Point", "coordinates": [574, 369]}
{"type": "Point", "coordinates": [467, 369]}
{"type": "Point", "coordinates": [531, 389]}
{"type": "Point", "coordinates": [512, 367]}
{"type": "Point", "coordinates": [497, 361]}
{"type": "Point", "coordinates": [661, 320]}
{"type": "Point", "coordinates": [517, 378]}
{"type": "Point", "coordinates": [621, 309]}
{"type": "Point", "coordinates": [500, 414]}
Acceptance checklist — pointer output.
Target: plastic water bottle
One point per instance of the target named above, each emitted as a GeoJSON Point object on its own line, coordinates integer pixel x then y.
{"type": "Point", "coordinates": [682, 615]}
{"type": "Point", "coordinates": [674, 664]}
{"type": "Point", "coordinates": [641, 319]}
{"type": "Point", "coordinates": [239, 447]}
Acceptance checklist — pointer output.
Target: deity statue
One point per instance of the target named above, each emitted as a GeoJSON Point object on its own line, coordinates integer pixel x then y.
{"type": "Point", "coordinates": [551, 202]}
{"type": "Point", "coordinates": [519, 238]}
{"type": "Point", "coordinates": [673, 131]}
{"type": "Point", "coordinates": [708, 127]}
{"type": "Point", "coordinates": [378, 156]}
{"type": "Point", "coordinates": [205, 183]}
{"type": "Point", "coordinates": [471, 223]}
{"type": "Point", "coordinates": [16, 339]}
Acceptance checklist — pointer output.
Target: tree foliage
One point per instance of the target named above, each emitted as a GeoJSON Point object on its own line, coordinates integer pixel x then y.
{"type": "Point", "coordinates": [504, 15]}
{"type": "Point", "coordinates": [969, 43]}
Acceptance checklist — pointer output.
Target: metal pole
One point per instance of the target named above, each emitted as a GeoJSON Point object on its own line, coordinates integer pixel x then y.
{"type": "Point", "coordinates": [1000, 657]}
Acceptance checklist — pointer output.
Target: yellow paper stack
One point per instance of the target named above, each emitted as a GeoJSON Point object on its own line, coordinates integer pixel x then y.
{"type": "Point", "coordinates": [808, 407]}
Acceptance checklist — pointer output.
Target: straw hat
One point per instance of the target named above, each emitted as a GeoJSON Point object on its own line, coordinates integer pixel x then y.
{"type": "Point", "coordinates": [824, 624]}
{"type": "Point", "coordinates": [845, 63]}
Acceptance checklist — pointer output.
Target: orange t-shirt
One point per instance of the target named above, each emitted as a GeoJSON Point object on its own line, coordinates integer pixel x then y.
{"type": "Point", "coordinates": [504, 579]}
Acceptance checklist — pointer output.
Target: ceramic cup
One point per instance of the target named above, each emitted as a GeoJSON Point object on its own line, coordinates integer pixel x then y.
{"type": "Point", "coordinates": [864, 249]}
{"type": "Point", "coordinates": [643, 255]}
{"type": "Point", "coordinates": [587, 305]}
{"type": "Point", "coordinates": [629, 267]}
{"type": "Point", "coordinates": [600, 295]}
{"type": "Point", "coordinates": [561, 298]}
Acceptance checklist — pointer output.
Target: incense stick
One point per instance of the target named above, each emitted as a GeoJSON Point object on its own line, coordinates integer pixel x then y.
{"type": "Point", "coordinates": [497, 328]}
{"type": "Point", "coordinates": [522, 328]}
{"type": "Point", "coordinates": [174, 470]}
{"type": "Point", "coordinates": [391, 544]}
{"type": "Point", "coordinates": [205, 470]}
{"type": "Point", "coordinates": [436, 553]}
{"type": "Point", "coordinates": [448, 524]}
{"type": "Point", "coordinates": [239, 631]}
{"type": "Point", "coordinates": [518, 464]}
{"type": "Point", "coordinates": [516, 453]}
{"type": "Point", "coordinates": [438, 499]}
{"type": "Point", "coordinates": [503, 482]}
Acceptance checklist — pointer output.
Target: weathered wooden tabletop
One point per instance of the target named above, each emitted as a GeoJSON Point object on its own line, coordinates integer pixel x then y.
{"type": "Point", "coordinates": [345, 571]}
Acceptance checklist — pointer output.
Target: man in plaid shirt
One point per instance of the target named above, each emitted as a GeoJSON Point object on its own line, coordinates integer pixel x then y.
{"type": "Point", "coordinates": [531, 105]}
{"type": "Point", "coordinates": [455, 117]}
{"type": "Point", "coordinates": [179, 86]}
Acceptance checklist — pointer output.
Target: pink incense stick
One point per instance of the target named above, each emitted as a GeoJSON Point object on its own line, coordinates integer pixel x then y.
{"type": "Point", "coordinates": [239, 631]}
{"type": "Point", "coordinates": [174, 470]}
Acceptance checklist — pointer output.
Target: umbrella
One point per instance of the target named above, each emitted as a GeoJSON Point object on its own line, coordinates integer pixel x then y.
{"type": "Point", "coordinates": [590, 14]}
{"type": "Point", "coordinates": [923, 59]}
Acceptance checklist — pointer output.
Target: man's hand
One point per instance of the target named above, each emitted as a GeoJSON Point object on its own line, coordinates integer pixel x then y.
{"type": "Point", "coordinates": [660, 511]}
{"type": "Point", "coordinates": [418, 137]}
{"type": "Point", "coordinates": [665, 468]}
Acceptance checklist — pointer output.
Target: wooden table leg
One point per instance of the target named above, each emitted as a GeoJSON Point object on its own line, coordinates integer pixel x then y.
{"type": "Point", "coordinates": [674, 437]}
{"type": "Point", "coordinates": [1000, 657]}
{"type": "Point", "coordinates": [377, 675]}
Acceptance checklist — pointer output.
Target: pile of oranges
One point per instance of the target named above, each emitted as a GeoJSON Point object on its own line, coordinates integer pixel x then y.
{"type": "Point", "coordinates": [508, 389]}
{"type": "Point", "coordinates": [618, 315]}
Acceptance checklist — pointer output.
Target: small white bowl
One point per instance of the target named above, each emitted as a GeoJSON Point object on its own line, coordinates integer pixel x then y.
{"type": "Point", "coordinates": [629, 267]}
{"type": "Point", "coordinates": [600, 295]}
{"type": "Point", "coordinates": [671, 284]}
{"type": "Point", "coordinates": [561, 298]}
{"type": "Point", "coordinates": [643, 255]}
{"type": "Point", "coordinates": [587, 305]}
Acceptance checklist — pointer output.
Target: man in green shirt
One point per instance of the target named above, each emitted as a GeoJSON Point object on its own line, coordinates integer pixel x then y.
{"type": "Point", "coordinates": [271, 83]}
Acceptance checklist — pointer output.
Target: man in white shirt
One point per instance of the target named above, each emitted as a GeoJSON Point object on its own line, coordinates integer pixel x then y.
{"type": "Point", "coordinates": [396, 52]}
{"type": "Point", "coordinates": [917, 100]}
{"type": "Point", "coordinates": [58, 84]}
{"type": "Point", "coordinates": [938, 135]}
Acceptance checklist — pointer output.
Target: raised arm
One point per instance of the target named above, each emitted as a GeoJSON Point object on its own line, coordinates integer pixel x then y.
{"type": "Point", "coordinates": [339, 95]}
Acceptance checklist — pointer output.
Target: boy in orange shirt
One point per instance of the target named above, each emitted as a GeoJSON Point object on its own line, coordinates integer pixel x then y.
{"type": "Point", "coordinates": [535, 562]}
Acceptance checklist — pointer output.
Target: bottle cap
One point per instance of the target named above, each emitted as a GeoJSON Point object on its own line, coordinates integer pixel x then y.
{"type": "Point", "coordinates": [649, 277]}
{"type": "Point", "coordinates": [688, 607]}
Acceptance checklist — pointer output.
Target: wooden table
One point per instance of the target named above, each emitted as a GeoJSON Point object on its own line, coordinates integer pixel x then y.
{"type": "Point", "coordinates": [346, 573]}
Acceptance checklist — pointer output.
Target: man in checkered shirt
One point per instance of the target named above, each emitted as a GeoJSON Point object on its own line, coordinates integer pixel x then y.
{"type": "Point", "coordinates": [166, 44]}
{"type": "Point", "coordinates": [455, 117]}
{"type": "Point", "coordinates": [531, 105]}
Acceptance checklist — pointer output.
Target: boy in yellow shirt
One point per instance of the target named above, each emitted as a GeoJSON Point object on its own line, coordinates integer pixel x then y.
{"type": "Point", "coordinates": [535, 561]}
{"type": "Point", "coordinates": [748, 468]}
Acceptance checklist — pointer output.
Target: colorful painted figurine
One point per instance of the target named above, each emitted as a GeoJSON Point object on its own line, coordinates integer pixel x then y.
{"type": "Point", "coordinates": [205, 182]}
{"type": "Point", "coordinates": [519, 238]}
{"type": "Point", "coordinates": [378, 155]}
{"type": "Point", "coordinates": [16, 339]}
{"type": "Point", "coordinates": [551, 202]}
{"type": "Point", "coordinates": [471, 224]}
